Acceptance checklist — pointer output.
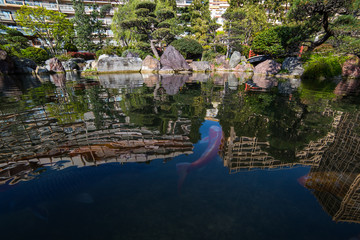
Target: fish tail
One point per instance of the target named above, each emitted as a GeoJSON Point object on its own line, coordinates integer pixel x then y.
{"type": "Point", "coordinates": [182, 170]}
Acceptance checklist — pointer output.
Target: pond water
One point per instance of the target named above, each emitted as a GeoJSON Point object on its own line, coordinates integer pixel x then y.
{"type": "Point", "coordinates": [179, 157]}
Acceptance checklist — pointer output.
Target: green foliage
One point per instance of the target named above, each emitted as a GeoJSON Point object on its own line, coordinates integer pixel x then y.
{"type": "Point", "coordinates": [244, 50]}
{"type": "Point", "coordinates": [268, 42]}
{"type": "Point", "coordinates": [189, 48]}
{"type": "Point", "coordinates": [88, 27]}
{"type": "Point", "coordinates": [52, 27]}
{"type": "Point", "coordinates": [141, 54]}
{"type": "Point", "coordinates": [38, 55]}
{"type": "Point", "coordinates": [220, 48]}
{"type": "Point", "coordinates": [318, 67]}
{"type": "Point", "coordinates": [242, 23]}
{"type": "Point", "coordinates": [64, 57]}
{"type": "Point", "coordinates": [110, 50]}
{"type": "Point", "coordinates": [69, 47]}
{"type": "Point", "coordinates": [209, 55]}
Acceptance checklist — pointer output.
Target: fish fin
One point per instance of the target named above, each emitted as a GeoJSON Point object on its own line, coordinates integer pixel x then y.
{"type": "Point", "coordinates": [84, 198]}
{"type": "Point", "coordinates": [40, 212]}
{"type": "Point", "coordinates": [182, 169]}
{"type": "Point", "coordinates": [302, 180]}
{"type": "Point", "coordinates": [204, 140]}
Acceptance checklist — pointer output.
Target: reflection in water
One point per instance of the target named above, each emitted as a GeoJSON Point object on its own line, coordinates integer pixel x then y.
{"type": "Point", "coordinates": [214, 139]}
{"type": "Point", "coordinates": [60, 141]}
{"type": "Point", "coordinates": [336, 180]}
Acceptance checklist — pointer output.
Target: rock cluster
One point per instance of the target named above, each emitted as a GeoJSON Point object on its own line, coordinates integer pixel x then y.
{"type": "Point", "coordinates": [268, 67]}
{"type": "Point", "coordinates": [119, 64]}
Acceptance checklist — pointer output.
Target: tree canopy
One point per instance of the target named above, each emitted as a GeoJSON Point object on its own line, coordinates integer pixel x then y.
{"type": "Point", "coordinates": [51, 27]}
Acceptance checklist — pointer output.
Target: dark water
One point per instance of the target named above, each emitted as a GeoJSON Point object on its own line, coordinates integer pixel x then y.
{"type": "Point", "coordinates": [104, 158]}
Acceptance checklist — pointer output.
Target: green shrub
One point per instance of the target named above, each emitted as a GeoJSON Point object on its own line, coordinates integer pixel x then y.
{"type": "Point", "coordinates": [141, 54]}
{"type": "Point", "coordinates": [268, 42]}
{"type": "Point", "coordinates": [110, 50]}
{"type": "Point", "coordinates": [69, 47]}
{"type": "Point", "coordinates": [210, 55]}
{"type": "Point", "coordinates": [244, 50]}
{"type": "Point", "coordinates": [220, 48]}
{"type": "Point", "coordinates": [189, 48]}
{"type": "Point", "coordinates": [38, 55]}
{"type": "Point", "coordinates": [320, 66]}
{"type": "Point", "coordinates": [64, 57]}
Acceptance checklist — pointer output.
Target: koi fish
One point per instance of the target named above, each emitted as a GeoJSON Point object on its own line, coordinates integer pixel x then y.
{"type": "Point", "coordinates": [214, 141]}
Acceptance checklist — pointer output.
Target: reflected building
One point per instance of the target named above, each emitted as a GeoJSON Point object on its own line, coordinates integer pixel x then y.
{"type": "Point", "coordinates": [335, 182]}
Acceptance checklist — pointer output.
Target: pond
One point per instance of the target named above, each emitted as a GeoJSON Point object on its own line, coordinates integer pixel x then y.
{"type": "Point", "coordinates": [201, 156]}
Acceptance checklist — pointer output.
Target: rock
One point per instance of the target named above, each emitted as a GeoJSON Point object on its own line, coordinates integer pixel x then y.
{"type": "Point", "coordinates": [58, 79]}
{"type": "Point", "coordinates": [351, 67]}
{"type": "Point", "coordinates": [24, 66]}
{"type": "Point", "coordinates": [119, 64]}
{"type": "Point", "coordinates": [201, 66]}
{"type": "Point", "coordinates": [7, 65]}
{"type": "Point", "coordinates": [150, 64]}
{"type": "Point", "coordinates": [172, 58]}
{"type": "Point", "coordinates": [55, 65]}
{"type": "Point", "coordinates": [243, 59]}
{"type": "Point", "coordinates": [247, 67]}
{"type": "Point", "coordinates": [293, 65]}
{"type": "Point", "coordinates": [103, 56]}
{"type": "Point", "coordinates": [235, 59]}
{"type": "Point", "coordinates": [223, 67]}
{"type": "Point", "coordinates": [71, 65]}
{"type": "Point", "coordinates": [150, 79]}
{"type": "Point", "coordinates": [347, 86]}
{"type": "Point", "coordinates": [88, 65]}
{"type": "Point", "coordinates": [221, 59]}
{"type": "Point", "coordinates": [268, 67]}
{"type": "Point", "coordinates": [41, 70]}
{"type": "Point", "coordinates": [166, 69]}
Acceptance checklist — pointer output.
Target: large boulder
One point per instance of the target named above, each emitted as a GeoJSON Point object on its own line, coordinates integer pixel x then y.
{"type": "Point", "coordinates": [293, 65]}
{"type": "Point", "coordinates": [71, 65]}
{"type": "Point", "coordinates": [41, 70]}
{"type": "Point", "coordinates": [119, 64]}
{"type": "Point", "coordinates": [24, 66]}
{"type": "Point", "coordinates": [54, 65]}
{"type": "Point", "coordinates": [244, 67]}
{"type": "Point", "coordinates": [351, 67]}
{"type": "Point", "coordinates": [172, 58]}
{"type": "Point", "coordinates": [200, 66]}
{"type": "Point", "coordinates": [268, 67]}
{"type": "Point", "coordinates": [235, 59]}
{"type": "Point", "coordinates": [150, 64]}
{"type": "Point", "coordinates": [6, 63]}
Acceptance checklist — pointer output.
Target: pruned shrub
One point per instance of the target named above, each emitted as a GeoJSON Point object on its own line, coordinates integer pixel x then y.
{"type": "Point", "coordinates": [138, 52]}
{"type": "Point", "coordinates": [84, 55]}
{"type": "Point", "coordinates": [319, 66]}
{"type": "Point", "coordinates": [189, 48]}
{"type": "Point", "coordinates": [268, 42]}
{"type": "Point", "coordinates": [38, 55]}
{"type": "Point", "coordinates": [110, 50]}
{"type": "Point", "coordinates": [210, 55]}
{"type": "Point", "coordinates": [69, 47]}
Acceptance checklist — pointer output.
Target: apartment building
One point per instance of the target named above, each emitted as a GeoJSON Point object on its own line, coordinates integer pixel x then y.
{"type": "Point", "coordinates": [8, 10]}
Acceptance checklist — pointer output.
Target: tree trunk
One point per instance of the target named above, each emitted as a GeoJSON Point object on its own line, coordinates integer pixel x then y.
{"type": "Point", "coordinates": [153, 49]}
{"type": "Point", "coordinates": [328, 33]}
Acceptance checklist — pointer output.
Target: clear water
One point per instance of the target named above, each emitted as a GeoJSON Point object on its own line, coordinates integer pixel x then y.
{"type": "Point", "coordinates": [139, 157]}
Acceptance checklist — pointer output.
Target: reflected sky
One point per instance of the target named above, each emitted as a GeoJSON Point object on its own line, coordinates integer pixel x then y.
{"type": "Point", "coordinates": [99, 158]}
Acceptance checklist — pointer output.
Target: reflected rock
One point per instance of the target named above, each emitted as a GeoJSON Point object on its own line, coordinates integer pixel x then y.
{"type": "Point", "coordinates": [219, 78]}
{"type": "Point", "coordinates": [233, 81]}
{"type": "Point", "coordinates": [244, 76]}
{"type": "Point", "coordinates": [72, 76]}
{"type": "Point", "coordinates": [348, 86]}
{"type": "Point", "coordinates": [199, 77]}
{"type": "Point", "coordinates": [268, 67]}
{"type": "Point", "coordinates": [289, 86]}
{"type": "Point", "coordinates": [265, 82]}
{"type": "Point", "coordinates": [244, 67]}
{"type": "Point", "coordinates": [151, 79]}
{"type": "Point", "coordinates": [58, 79]}
{"type": "Point", "coordinates": [8, 87]}
{"type": "Point", "coordinates": [173, 83]}
{"type": "Point", "coordinates": [131, 80]}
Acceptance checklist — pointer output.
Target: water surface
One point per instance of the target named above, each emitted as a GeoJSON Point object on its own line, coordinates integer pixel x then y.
{"type": "Point", "coordinates": [99, 157]}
